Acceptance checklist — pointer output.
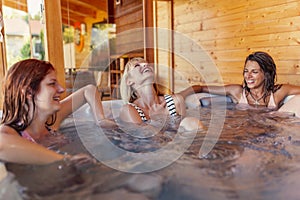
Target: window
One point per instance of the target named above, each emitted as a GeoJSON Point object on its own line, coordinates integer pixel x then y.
{"type": "Point", "coordinates": [23, 27]}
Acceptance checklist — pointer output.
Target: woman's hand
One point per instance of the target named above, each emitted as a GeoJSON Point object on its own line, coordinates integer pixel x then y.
{"type": "Point", "coordinates": [106, 123]}
{"type": "Point", "coordinates": [191, 124]}
{"type": "Point", "coordinates": [79, 160]}
{"type": "Point", "coordinates": [157, 109]}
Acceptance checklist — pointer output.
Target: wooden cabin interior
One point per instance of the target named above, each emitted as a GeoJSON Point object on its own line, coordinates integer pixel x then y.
{"type": "Point", "coordinates": [190, 41]}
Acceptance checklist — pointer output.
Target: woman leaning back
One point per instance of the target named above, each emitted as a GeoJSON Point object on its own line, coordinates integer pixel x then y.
{"type": "Point", "coordinates": [143, 102]}
{"type": "Point", "coordinates": [32, 109]}
{"type": "Point", "coordinates": [259, 89]}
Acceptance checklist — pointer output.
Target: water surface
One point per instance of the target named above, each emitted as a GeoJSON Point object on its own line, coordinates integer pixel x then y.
{"type": "Point", "coordinates": [257, 156]}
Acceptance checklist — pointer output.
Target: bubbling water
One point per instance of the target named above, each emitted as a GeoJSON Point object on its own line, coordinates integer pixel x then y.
{"type": "Point", "coordinates": [257, 156]}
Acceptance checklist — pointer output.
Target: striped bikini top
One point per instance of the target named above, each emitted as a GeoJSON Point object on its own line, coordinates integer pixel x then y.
{"type": "Point", "coordinates": [169, 102]}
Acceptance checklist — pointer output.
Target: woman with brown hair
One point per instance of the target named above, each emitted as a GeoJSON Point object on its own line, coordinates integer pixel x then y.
{"type": "Point", "coordinates": [258, 89]}
{"type": "Point", "coordinates": [33, 109]}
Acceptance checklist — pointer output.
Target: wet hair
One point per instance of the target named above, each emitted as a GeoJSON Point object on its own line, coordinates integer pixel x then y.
{"type": "Point", "coordinates": [23, 79]}
{"type": "Point", "coordinates": [268, 66]}
{"type": "Point", "coordinates": [128, 94]}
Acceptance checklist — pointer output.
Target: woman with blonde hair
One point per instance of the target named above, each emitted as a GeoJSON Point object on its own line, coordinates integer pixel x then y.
{"type": "Point", "coordinates": [142, 100]}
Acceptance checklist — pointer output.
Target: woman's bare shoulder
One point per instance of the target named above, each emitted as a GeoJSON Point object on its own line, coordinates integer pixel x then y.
{"type": "Point", "coordinates": [4, 129]}
{"type": "Point", "coordinates": [234, 87]}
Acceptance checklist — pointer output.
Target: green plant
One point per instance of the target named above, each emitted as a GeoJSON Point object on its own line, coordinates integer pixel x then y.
{"type": "Point", "coordinates": [26, 51]}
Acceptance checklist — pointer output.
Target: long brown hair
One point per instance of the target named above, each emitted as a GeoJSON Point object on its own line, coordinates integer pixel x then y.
{"type": "Point", "coordinates": [23, 78]}
{"type": "Point", "coordinates": [267, 64]}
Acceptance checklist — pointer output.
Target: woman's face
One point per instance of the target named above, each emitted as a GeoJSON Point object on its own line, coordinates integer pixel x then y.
{"type": "Point", "coordinates": [141, 73]}
{"type": "Point", "coordinates": [47, 98]}
{"type": "Point", "coordinates": [253, 75]}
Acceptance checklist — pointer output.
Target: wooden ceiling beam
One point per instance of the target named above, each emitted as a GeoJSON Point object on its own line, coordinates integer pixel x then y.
{"type": "Point", "coordinates": [80, 10]}
{"type": "Point", "coordinates": [78, 13]}
{"type": "Point", "coordinates": [98, 4]}
{"type": "Point", "coordinates": [73, 17]}
{"type": "Point", "coordinates": [87, 7]}
{"type": "Point", "coordinates": [19, 5]}
{"type": "Point", "coordinates": [71, 10]}
{"type": "Point", "coordinates": [68, 21]}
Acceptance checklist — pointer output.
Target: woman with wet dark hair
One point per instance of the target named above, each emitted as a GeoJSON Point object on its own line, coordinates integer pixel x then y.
{"type": "Point", "coordinates": [259, 89]}
{"type": "Point", "coordinates": [268, 66]}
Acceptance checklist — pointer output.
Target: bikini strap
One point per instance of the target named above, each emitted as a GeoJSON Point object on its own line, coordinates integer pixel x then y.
{"type": "Point", "coordinates": [170, 104]}
{"type": "Point", "coordinates": [26, 135]}
{"type": "Point", "coordinates": [140, 112]}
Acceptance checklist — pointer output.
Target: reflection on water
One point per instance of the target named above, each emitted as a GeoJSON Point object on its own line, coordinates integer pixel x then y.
{"type": "Point", "coordinates": [257, 156]}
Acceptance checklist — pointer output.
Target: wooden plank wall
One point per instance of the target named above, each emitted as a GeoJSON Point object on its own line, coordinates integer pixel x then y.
{"type": "Point", "coordinates": [164, 44]}
{"type": "Point", "coordinates": [221, 33]}
{"type": "Point", "coordinates": [129, 26]}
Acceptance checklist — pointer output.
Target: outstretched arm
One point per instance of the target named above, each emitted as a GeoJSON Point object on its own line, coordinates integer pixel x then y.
{"type": "Point", "coordinates": [287, 90]}
{"type": "Point", "coordinates": [87, 94]}
{"type": "Point", "coordinates": [14, 148]}
{"type": "Point", "coordinates": [292, 106]}
{"type": "Point", "coordinates": [233, 90]}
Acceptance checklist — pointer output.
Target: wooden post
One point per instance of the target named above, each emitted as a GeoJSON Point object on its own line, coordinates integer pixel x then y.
{"type": "Point", "coordinates": [2, 61]}
{"type": "Point", "coordinates": [148, 35]}
{"type": "Point", "coordinates": [54, 39]}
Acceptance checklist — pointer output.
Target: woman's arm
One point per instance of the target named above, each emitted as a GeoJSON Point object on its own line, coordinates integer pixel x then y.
{"type": "Point", "coordinates": [87, 94]}
{"type": "Point", "coordinates": [288, 89]}
{"type": "Point", "coordinates": [233, 90]}
{"type": "Point", "coordinates": [129, 114]}
{"type": "Point", "coordinates": [292, 106]}
{"type": "Point", "coordinates": [284, 91]}
{"type": "Point", "coordinates": [14, 148]}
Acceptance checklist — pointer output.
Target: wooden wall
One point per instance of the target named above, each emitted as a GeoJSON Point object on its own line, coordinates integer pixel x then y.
{"type": "Point", "coordinates": [219, 34]}
{"type": "Point", "coordinates": [129, 26]}
{"type": "Point", "coordinates": [164, 44]}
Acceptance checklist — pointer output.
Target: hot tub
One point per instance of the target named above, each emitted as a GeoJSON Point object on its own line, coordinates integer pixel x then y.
{"type": "Point", "coordinates": [256, 155]}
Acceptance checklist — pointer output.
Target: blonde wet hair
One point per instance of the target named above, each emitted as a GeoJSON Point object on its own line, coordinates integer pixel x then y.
{"type": "Point", "coordinates": [128, 94]}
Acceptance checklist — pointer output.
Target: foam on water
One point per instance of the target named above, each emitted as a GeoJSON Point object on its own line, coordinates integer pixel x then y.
{"type": "Point", "coordinates": [257, 156]}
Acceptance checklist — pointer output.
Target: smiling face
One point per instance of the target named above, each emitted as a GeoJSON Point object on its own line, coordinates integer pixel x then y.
{"type": "Point", "coordinates": [264, 65]}
{"type": "Point", "coordinates": [140, 74]}
{"type": "Point", "coordinates": [47, 99]}
{"type": "Point", "coordinates": [141, 69]}
{"type": "Point", "coordinates": [253, 75]}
